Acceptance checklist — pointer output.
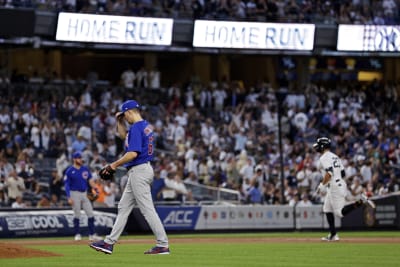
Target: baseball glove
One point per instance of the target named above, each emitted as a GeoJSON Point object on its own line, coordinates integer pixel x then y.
{"type": "Point", "coordinates": [107, 173]}
{"type": "Point", "coordinates": [92, 195]}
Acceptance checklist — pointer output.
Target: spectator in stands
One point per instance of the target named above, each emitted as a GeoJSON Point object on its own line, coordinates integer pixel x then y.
{"type": "Point", "coordinates": [291, 181]}
{"type": "Point", "coordinates": [305, 200]}
{"type": "Point", "coordinates": [303, 177]}
{"type": "Point", "coordinates": [294, 200]}
{"type": "Point", "coordinates": [355, 190]}
{"type": "Point", "coordinates": [44, 201]}
{"type": "Point", "coordinates": [97, 161]}
{"type": "Point", "coordinates": [346, 111]}
{"type": "Point", "coordinates": [101, 192]}
{"type": "Point", "coordinates": [128, 78]}
{"type": "Point", "coordinates": [157, 187]}
{"type": "Point", "coordinates": [141, 78]}
{"type": "Point", "coordinates": [15, 186]}
{"type": "Point", "coordinates": [175, 189]}
{"type": "Point", "coordinates": [155, 78]}
{"type": "Point", "coordinates": [5, 167]}
{"type": "Point", "coordinates": [247, 169]}
{"type": "Point", "coordinates": [259, 177]}
{"type": "Point", "coordinates": [55, 184]}
{"type": "Point", "coordinates": [253, 194]}
{"type": "Point", "coordinates": [30, 176]}
{"type": "Point", "coordinates": [111, 192]}
{"type": "Point", "coordinates": [79, 144]}
{"type": "Point", "coordinates": [3, 194]}
{"type": "Point", "coordinates": [62, 164]}
{"type": "Point", "coordinates": [55, 202]}
{"type": "Point", "coordinates": [18, 203]}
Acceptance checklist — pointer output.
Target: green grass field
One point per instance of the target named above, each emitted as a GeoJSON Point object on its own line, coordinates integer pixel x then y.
{"type": "Point", "coordinates": [302, 249]}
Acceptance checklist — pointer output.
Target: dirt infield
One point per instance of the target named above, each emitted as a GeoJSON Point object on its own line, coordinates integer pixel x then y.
{"type": "Point", "coordinates": [11, 250]}
{"type": "Point", "coordinates": [17, 249]}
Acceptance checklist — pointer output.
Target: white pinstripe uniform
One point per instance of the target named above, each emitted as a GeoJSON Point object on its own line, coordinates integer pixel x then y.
{"type": "Point", "coordinates": [336, 187]}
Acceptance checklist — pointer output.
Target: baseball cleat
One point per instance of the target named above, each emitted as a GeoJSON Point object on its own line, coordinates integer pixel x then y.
{"type": "Point", "coordinates": [78, 237]}
{"type": "Point", "coordinates": [102, 246]}
{"type": "Point", "coordinates": [331, 238]}
{"type": "Point", "coordinates": [367, 201]}
{"type": "Point", "coordinates": [158, 250]}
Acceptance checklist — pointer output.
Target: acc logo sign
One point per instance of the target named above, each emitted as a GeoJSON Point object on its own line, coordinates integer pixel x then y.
{"type": "Point", "coordinates": [387, 39]}
{"type": "Point", "coordinates": [179, 218]}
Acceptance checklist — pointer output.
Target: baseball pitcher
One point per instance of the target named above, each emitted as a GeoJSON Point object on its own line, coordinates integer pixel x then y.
{"type": "Point", "coordinates": [138, 155]}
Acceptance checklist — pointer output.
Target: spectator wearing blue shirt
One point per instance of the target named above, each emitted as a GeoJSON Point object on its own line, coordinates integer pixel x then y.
{"type": "Point", "coordinates": [79, 144]}
{"type": "Point", "coordinates": [254, 195]}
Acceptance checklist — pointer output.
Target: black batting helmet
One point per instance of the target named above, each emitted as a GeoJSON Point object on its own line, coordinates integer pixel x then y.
{"type": "Point", "coordinates": [322, 144]}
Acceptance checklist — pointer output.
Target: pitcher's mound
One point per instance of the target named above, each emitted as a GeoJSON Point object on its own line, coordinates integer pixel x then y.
{"type": "Point", "coordinates": [8, 251]}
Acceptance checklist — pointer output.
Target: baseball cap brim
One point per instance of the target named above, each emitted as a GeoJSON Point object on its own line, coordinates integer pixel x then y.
{"type": "Point", "coordinates": [129, 104]}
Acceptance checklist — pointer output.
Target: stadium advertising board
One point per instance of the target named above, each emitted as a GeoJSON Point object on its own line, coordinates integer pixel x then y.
{"type": "Point", "coordinates": [253, 35]}
{"type": "Point", "coordinates": [312, 218]}
{"type": "Point", "coordinates": [368, 38]}
{"type": "Point", "coordinates": [50, 223]}
{"type": "Point", "coordinates": [178, 218]}
{"type": "Point", "coordinates": [114, 29]}
{"type": "Point", "coordinates": [245, 217]}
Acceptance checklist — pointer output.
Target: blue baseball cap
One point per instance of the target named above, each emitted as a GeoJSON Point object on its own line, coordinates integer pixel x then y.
{"type": "Point", "coordinates": [129, 104]}
{"type": "Point", "coordinates": [77, 155]}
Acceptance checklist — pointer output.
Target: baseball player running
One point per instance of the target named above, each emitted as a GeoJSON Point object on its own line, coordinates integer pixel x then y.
{"type": "Point", "coordinates": [77, 179]}
{"type": "Point", "coordinates": [137, 158]}
{"type": "Point", "coordinates": [335, 187]}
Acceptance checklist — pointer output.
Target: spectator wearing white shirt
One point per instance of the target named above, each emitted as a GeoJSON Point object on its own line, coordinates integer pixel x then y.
{"type": "Point", "coordinates": [181, 117]}
{"type": "Point", "coordinates": [303, 179]}
{"type": "Point", "coordinates": [128, 78]}
{"type": "Point", "coordinates": [355, 190]}
{"type": "Point", "coordinates": [219, 96]}
{"type": "Point", "coordinates": [179, 132]}
{"type": "Point", "coordinates": [192, 165]}
{"type": "Point", "coordinates": [247, 170]}
{"type": "Point", "coordinates": [176, 188]}
{"type": "Point", "coordinates": [15, 186]}
{"type": "Point", "coordinates": [28, 118]}
{"type": "Point", "coordinates": [305, 201]}
{"type": "Point", "coordinates": [389, 7]}
{"type": "Point", "coordinates": [5, 118]}
{"type": "Point", "coordinates": [300, 120]}
{"type": "Point", "coordinates": [18, 203]}
{"type": "Point", "coordinates": [207, 130]}
{"type": "Point", "coordinates": [35, 135]}
{"type": "Point", "coordinates": [45, 134]}
{"type": "Point", "coordinates": [86, 97]}
{"type": "Point", "coordinates": [111, 190]}
{"type": "Point", "coordinates": [189, 97]}
{"type": "Point", "coordinates": [366, 171]}
{"type": "Point", "coordinates": [155, 78]}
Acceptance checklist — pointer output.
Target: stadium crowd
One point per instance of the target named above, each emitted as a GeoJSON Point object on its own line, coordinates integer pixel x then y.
{"type": "Point", "coordinates": [376, 12]}
{"type": "Point", "coordinates": [221, 134]}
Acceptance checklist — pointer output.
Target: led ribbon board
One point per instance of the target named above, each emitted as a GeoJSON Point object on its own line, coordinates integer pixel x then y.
{"type": "Point", "coordinates": [253, 35]}
{"type": "Point", "coordinates": [368, 38]}
{"type": "Point", "coordinates": [113, 29]}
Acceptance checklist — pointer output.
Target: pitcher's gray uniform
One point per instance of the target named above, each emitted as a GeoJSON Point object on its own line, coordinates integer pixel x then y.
{"type": "Point", "coordinates": [137, 158]}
